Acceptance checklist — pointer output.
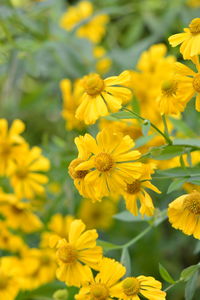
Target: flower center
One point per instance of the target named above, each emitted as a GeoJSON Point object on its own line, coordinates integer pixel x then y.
{"type": "Point", "coordinates": [5, 149]}
{"type": "Point", "coordinates": [22, 173]}
{"type": "Point", "coordinates": [3, 281]}
{"type": "Point", "coordinates": [196, 83]}
{"type": "Point", "coordinates": [131, 286]}
{"type": "Point", "coordinates": [93, 84]}
{"type": "Point", "coordinates": [67, 254]}
{"type": "Point", "coordinates": [195, 26]}
{"type": "Point", "coordinates": [169, 88]}
{"type": "Point", "coordinates": [77, 174]}
{"type": "Point", "coordinates": [103, 162]}
{"type": "Point", "coordinates": [192, 203]}
{"type": "Point", "coordinates": [99, 292]}
{"type": "Point", "coordinates": [133, 188]}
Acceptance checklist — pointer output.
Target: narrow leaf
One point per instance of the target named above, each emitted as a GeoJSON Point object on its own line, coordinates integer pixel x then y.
{"type": "Point", "coordinates": [187, 273]}
{"type": "Point", "coordinates": [191, 286]}
{"type": "Point", "coordinates": [165, 274]}
{"type": "Point", "coordinates": [126, 261]}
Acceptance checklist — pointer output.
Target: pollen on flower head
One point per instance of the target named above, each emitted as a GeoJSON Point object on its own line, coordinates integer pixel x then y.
{"type": "Point", "coordinates": [134, 187]}
{"type": "Point", "coordinates": [67, 254]}
{"type": "Point", "coordinates": [131, 286]}
{"type": "Point", "coordinates": [195, 26]}
{"type": "Point", "coordinates": [192, 203]}
{"type": "Point", "coordinates": [103, 162]}
{"type": "Point", "coordinates": [196, 83]}
{"type": "Point", "coordinates": [99, 292]}
{"type": "Point", "coordinates": [77, 174]}
{"type": "Point", "coordinates": [93, 84]}
{"type": "Point", "coordinates": [21, 173]}
{"type": "Point", "coordinates": [169, 88]}
{"type": "Point", "coordinates": [3, 281]}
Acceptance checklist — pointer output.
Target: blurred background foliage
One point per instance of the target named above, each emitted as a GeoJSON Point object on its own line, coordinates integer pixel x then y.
{"type": "Point", "coordinates": [35, 54]}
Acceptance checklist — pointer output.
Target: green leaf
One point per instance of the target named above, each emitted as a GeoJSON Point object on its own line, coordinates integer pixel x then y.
{"type": "Point", "coordinates": [107, 246]}
{"type": "Point", "coordinates": [123, 115]}
{"type": "Point", "coordinates": [191, 286]}
{"type": "Point", "coordinates": [178, 172]}
{"type": "Point", "coordinates": [126, 216]}
{"type": "Point", "coordinates": [143, 140]}
{"type": "Point", "coordinates": [176, 184]}
{"type": "Point", "coordinates": [165, 274]}
{"type": "Point", "coordinates": [181, 126]}
{"type": "Point", "coordinates": [167, 152]}
{"type": "Point", "coordinates": [126, 261]}
{"type": "Point", "coordinates": [190, 142]}
{"type": "Point", "coordinates": [187, 273]}
{"type": "Point", "coordinates": [145, 127]}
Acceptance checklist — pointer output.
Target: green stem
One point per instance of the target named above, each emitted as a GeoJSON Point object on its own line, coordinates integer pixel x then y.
{"type": "Point", "coordinates": [165, 125]}
{"type": "Point", "coordinates": [138, 237]}
{"type": "Point", "coordinates": [171, 286]}
{"type": "Point", "coordinates": [168, 140]}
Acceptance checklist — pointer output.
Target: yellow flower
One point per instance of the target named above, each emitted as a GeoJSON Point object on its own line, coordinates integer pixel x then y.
{"type": "Point", "coordinates": [9, 282]}
{"type": "Point", "coordinates": [131, 288]}
{"type": "Point", "coordinates": [193, 3]}
{"type": "Point", "coordinates": [25, 179]}
{"type": "Point", "coordinates": [112, 163]}
{"type": "Point", "coordinates": [102, 96]}
{"type": "Point", "coordinates": [189, 40]}
{"type": "Point", "coordinates": [18, 214]}
{"type": "Point", "coordinates": [97, 215]}
{"type": "Point", "coordinates": [93, 29]}
{"type": "Point", "coordinates": [102, 286]}
{"type": "Point", "coordinates": [71, 100]}
{"type": "Point", "coordinates": [38, 267]}
{"type": "Point", "coordinates": [9, 241]}
{"type": "Point", "coordinates": [172, 99]}
{"type": "Point", "coordinates": [77, 254]}
{"type": "Point", "coordinates": [184, 214]}
{"type": "Point", "coordinates": [136, 190]}
{"type": "Point", "coordinates": [190, 81]}
{"type": "Point", "coordinates": [59, 228]}
{"type": "Point", "coordinates": [10, 143]}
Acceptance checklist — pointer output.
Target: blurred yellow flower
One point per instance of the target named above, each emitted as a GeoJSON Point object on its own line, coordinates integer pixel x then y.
{"type": "Point", "coordinates": [93, 27]}
{"type": "Point", "coordinates": [10, 143]}
{"type": "Point", "coordinates": [184, 214]}
{"type": "Point", "coordinates": [132, 288]}
{"type": "Point", "coordinates": [190, 80]}
{"type": "Point", "coordinates": [103, 63]}
{"type": "Point", "coordinates": [99, 214]}
{"type": "Point", "coordinates": [112, 163]}
{"type": "Point", "coordinates": [59, 228]}
{"type": "Point", "coordinates": [189, 40]}
{"type": "Point", "coordinates": [77, 254]}
{"type": "Point", "coordinates": [71, 100]}
{"type": "Point", "coordinates": [9, 281]}
{"type": "Point", "coordinates": [102, 286]}
{"type": "Point", "coordinates": [18, 214]}
{"type": "Point", "coordinates": [102, 96]}
{"type": "Point", "coordinates": [193, 3]}
{"type": "Point", "coordinates": [23, 172]}
{"type": "Point", "coordinates": [136, 190]}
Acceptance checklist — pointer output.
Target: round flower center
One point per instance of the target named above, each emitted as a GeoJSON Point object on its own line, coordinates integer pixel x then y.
{"type": "Point", "coordinates": [192, 203]}
{"type": "Point", "coordinates": [195, 26]}
{"type": "Point", "coordinates": [67, 254]}
{"type": "Point", "coordinates": [196, 83]}
{"type": "Point", "coordinates": [169, 88]}
{"type": "Point", "coordinates": [133, 188]}
{"type": "Point", "coordinates": [99, 292]}
{"type": "Point", "coordinates": [77, 174]}
{"type": "Point", "coordinates": [22, 173]}
{"type": "Point", "coordinates": [3, 281]}
{"type": "Point", "coordinates": [5, 149]}
{"type": "Point", "coordinates": [131, 286]}
{"type": "Point", "coordinates": [93, 84]}
{"type": "Point", "coordinates": [16, 210]}
{"type": "Point", "coordinates": [103, 162]}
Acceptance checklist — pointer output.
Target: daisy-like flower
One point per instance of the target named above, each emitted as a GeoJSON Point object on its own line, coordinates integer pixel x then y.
{"type": "Point", "coordinates": [77, 254]}
{"type": "Point", "coordinates": [190, 80]}
{"type": "Point", "coordinates": [18, 214]}
{"type": "Point", "coordinates": [172, 99]}
{"type": "Point", "coordinates": [10, 143]}
{"type": "Point", "coordinates": [71, 95]}
{"type": "Point", "coordinates": [189, 40]}
{"type": "Point", "coordinates": [102, 96]}
{"type": "Point", "coordinates": [101, 287]}
{"type": "Point", "coordinates": [137, 191]}
{"type": "Point", "coordinates": [184, 214]}
{"type": "Point", "coordinates": [59, 227]}
{"type": "Point", "coordinates": [112, 163]}
{"type": "Point", "coordinates": [132, 288]}
{"type": "Point", "coordinates": [25, 179]}
{"type": "Point", "coordinates": [9, 282]}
